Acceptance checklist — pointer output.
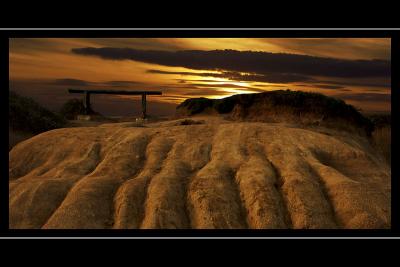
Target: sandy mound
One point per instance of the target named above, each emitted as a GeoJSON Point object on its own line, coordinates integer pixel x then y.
{"type": "Point", "coordinates": [183, 174]}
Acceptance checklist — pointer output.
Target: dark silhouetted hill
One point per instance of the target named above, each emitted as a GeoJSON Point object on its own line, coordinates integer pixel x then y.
{"type": "Point", "coordinates": [27, 118]}
{"type": "Point", "coordinates": [282, 106]}
{"type": "Point", "coordinates": [27, 115]}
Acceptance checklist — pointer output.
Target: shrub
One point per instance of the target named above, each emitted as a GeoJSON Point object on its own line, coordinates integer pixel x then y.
{"type": "Point", "coordinates": [382, 140]}
{"type": "Point", "coordinates": [72, 108]}
{"type": "Point", "coordinates": [27, 115]}
{"type": "Point", "coordinates": [381, 120]}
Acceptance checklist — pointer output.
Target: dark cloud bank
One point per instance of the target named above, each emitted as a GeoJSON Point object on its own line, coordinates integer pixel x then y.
{"type": "Point", "coordinates": [255, 67]}
{"type": "Point", "coordinates": [77, 82]}
{"type": "Point", "coordinates": [263, 66]}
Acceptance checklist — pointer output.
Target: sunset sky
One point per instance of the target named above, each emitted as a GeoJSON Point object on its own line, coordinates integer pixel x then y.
{"type": "Point", "coordinates": [353, 69]}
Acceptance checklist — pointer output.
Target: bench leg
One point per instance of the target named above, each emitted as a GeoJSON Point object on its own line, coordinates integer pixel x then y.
{"type": "Point", "coordinates": [144, 106]}
{"type": "Point", "coordinates": [86, 103]}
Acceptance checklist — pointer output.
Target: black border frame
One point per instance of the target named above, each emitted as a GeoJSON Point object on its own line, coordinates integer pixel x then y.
{"type": "Point", "coordinates": [193, 33]}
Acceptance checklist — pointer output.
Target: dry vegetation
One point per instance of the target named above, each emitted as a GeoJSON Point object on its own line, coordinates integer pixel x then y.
{"type": "Point", "coordinates": [27, 118]}
{"type": "Point", "coordinates": [382, 139]}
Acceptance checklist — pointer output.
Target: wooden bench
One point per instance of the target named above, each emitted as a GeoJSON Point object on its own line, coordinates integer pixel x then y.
{"type": "Point", "coordinates": [87, 93]}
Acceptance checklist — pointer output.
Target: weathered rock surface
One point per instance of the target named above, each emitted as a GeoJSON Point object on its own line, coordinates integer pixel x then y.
{"type": "Point", "coordinates": [208, 175]}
